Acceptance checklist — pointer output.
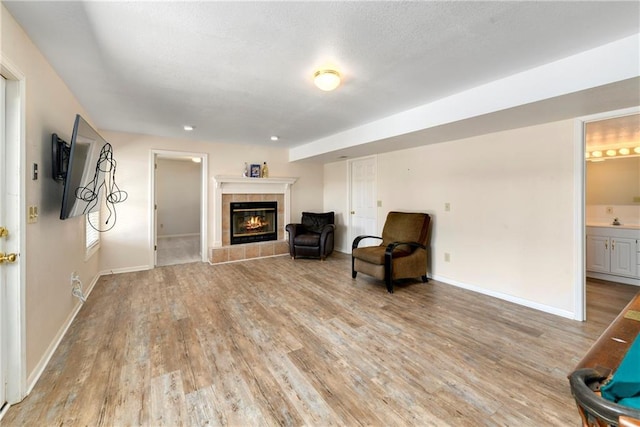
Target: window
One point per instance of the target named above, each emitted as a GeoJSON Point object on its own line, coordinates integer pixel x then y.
{"type": "Point", "coordinates": [91, 234]}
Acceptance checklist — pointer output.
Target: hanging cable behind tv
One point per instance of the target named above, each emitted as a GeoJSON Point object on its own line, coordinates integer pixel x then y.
{"type": "Point", "coordinates": [104, 180]}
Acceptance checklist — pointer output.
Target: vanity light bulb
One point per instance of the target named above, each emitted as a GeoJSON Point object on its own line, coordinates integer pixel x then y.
{"type": "Point", "coordinates": [597, 154]}
{"type": "Point", "coordinates": [624, 151]}
{"type": "Point", "coordinates": [636, 150]}
{"type": "Point", "coordinates": [611, 152]}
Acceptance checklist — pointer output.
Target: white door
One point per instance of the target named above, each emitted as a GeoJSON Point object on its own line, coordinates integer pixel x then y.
{"type": "Point", "coordinates": [3, 311]}
{"type": "Point", "coordinates": [155, 210]}
{"type": "Point", "coordinates": [363, 209]}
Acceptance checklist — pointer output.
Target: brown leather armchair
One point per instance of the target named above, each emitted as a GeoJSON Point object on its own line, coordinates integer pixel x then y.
{"type": "Point", "coordinates": [402, 253]}
{"type": "Point", "coordinates": [313, 237]}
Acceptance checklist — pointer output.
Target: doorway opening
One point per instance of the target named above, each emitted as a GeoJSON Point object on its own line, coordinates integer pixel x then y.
{"type": "Point", "coordinates": [593, 134]}
{"type": "Point", "coordinates": [179, 208]}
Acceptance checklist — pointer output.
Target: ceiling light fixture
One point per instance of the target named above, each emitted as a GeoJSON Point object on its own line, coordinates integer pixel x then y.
{"type": "Point", "coordinates": [618, 153]}
{"type": "Point", "coordinates": [274, 138]}
{"type": "Point", "coordinates": [326, 80]}
{"type": "Point", "coordinates": [189, 128]}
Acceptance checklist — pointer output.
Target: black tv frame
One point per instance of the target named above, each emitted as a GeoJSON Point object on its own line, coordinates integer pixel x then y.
{"type": "Point", "coordinates": [60, 153]}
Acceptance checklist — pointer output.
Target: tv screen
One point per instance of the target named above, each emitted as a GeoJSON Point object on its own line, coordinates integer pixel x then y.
{"type": "Point", "coordinates": [85, 151]}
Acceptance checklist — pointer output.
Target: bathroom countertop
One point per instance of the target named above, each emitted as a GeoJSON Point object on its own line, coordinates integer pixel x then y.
{"type": "Point", "coordinates": [609, 225]}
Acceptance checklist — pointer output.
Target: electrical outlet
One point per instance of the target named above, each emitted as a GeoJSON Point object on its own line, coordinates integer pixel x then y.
{"type": "Point", "coordinates": [609, 210]}
{"type": "Point", "coordinates": [447, 257]}
{"type": "Point", "coordinates": [447, 207]}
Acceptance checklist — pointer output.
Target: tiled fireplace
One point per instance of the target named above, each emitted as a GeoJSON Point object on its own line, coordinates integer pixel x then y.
{"type": "Point", "coordinates": [242, 193]}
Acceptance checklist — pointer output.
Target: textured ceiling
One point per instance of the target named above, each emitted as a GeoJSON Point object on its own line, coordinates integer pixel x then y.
{"type": "Point", "coordinates": [242, 71]}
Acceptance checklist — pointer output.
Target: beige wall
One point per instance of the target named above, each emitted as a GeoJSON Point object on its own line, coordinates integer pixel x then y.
{"type": "Point", "coordinates": [336, 199]}
{"type": "Point", "coordinates": [178, 197]}
{"type": "Point", "coordinates": [510, 228]}
{"type": "Point", "coordinates": [54, 248]}
{"type": "Point", "coordinates": [128, 245]}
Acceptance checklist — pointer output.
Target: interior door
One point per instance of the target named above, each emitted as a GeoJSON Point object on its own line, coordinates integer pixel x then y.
{"type": "Point", "coordinates": [3, 275]}
{"type": "Point", "coordinates": [363, 209]}
{"type": "Point", "coordinates": [155, 210]}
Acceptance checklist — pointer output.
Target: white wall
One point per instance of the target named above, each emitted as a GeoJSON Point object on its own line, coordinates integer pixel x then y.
{"type": "Point", "coordinates": [128, 245]}
{"type": "Point", "coordinates": [509, 231]}
{"type": "Point", "coordinates": [54, 248]}
{"type": "Point", "coordinates": [178, 197]}
{"type": "Point", "coordinates": [336, 191]}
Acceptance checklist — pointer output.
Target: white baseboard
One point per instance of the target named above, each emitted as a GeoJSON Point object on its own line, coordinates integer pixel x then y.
{"type": "Point", "coordinates": [506, 297]}
{"type": "Point", "coordinates": [125, 270]}
{"type": "Point", "coordinates": [44, 361]}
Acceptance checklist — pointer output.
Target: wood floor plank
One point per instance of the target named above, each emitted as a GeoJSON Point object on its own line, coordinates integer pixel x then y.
{"type": "Point", "coordinates": [277, 341]}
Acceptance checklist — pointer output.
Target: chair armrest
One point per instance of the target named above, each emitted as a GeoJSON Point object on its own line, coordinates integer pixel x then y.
{"type": "Point", "coordinates": [594, 404]}
{"type": "Point", "coordinates": [328, 228]}
{"type": "Point", "coordinates": [294, 229]}
{"type": "Point", "coordinates": [391, 247]}
{"type": "Point", "coordinates": [388, 258]}
{"type": "Point", "coordinates": [357, 240]}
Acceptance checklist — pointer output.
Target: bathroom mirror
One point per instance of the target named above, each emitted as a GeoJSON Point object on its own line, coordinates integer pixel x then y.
{"type": "Point", "coordinates": [616, 180]}
{"type": "Point", "coordinates": [613, 182]}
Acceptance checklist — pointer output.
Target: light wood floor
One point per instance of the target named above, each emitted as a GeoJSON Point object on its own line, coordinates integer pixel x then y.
{"type": "Point", "coordinates": [282, 342]}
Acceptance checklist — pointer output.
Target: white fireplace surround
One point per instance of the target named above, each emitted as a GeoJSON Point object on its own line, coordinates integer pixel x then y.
{"type": "Point", "coordinates": [240, 185]}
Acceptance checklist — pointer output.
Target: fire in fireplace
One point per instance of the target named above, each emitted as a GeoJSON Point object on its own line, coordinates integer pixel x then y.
{"type": "Point", "coordinates": [253, 222]}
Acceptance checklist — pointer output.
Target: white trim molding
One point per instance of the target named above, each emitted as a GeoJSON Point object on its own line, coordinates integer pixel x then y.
{"type": "Point", "coordinates": [506, 297]}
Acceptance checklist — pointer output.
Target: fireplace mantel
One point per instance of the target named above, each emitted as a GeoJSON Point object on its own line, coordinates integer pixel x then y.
{"type": "Point", "coordinates": [225, 184]}
{"type": "Point", "coordinates": [251, 184]}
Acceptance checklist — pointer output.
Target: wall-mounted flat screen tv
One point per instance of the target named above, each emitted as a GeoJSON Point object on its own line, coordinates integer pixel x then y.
{"type": "Point", "coordinates": [82, 169]}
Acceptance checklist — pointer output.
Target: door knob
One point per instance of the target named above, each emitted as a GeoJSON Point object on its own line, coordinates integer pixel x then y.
{"type": "Point", "coordinates": [7, 257]}
{"type": "Point", "coordinates": [4, 232]}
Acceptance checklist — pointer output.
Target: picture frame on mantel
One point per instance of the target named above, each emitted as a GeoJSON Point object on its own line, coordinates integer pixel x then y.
{"type": "Point", "coordinates": [254, 171]}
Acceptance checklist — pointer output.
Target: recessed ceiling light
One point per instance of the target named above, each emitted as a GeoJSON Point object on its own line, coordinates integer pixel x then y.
{"type": "Point", "coordinates": [275, 138]}
{"type": "Point", "coordinates": [189, 128]}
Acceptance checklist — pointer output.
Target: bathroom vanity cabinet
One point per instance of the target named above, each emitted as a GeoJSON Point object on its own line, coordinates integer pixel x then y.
{"type": "Point", "coordinates": [613, 253]}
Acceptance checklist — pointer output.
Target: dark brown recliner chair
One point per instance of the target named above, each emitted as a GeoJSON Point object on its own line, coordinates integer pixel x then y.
{"type": "Point", "coordinates": [313, 238]}
{"type": "Point", "coordinates": [402, 253]}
